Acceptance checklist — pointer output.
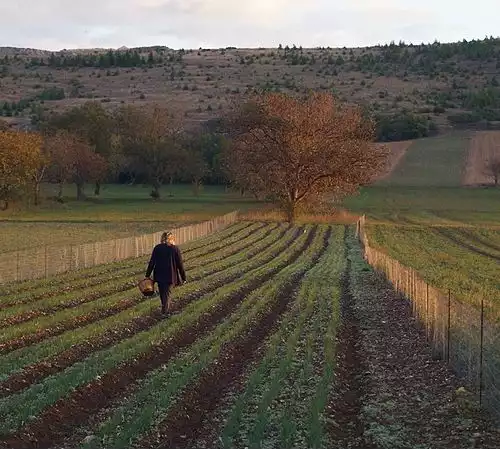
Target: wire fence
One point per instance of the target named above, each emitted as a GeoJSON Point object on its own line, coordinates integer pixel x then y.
{"type": "Point", "coordinates": [46, 261]}
{"type": "Point", "coordinates": [467, 336]}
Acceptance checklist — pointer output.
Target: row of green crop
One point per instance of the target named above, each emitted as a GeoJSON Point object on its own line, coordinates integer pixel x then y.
{"type": "Point", "coordinates": [72, 281]}
{"type": "Point", "coordinates": [283, 403]}
{"type": "Point", "coordinates": [440, 261]}
{"type": "Point", "coordinates": [122, 281]}
{"type": "Point", "coordinates": [486, 241]}
{"type": "Point", "coordinates": [17, 409]}
{"type": "Point", "coordinates": [158, 392]}
{"type": "Point", "coordinates": [201, 280]}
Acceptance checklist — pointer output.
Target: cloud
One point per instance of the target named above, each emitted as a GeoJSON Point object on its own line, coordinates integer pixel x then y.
{"type": "Point", "coordinates": [58, 24]}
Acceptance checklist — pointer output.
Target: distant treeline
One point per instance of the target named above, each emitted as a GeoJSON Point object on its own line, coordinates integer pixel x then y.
{"type": "Point", "coordinates": [119, 58]}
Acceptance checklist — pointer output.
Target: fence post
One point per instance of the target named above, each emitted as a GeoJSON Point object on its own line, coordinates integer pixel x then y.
{"type": "Point", "coordinates": [448, 334]}
{"type": "Point", "coordinates": [481, 355]}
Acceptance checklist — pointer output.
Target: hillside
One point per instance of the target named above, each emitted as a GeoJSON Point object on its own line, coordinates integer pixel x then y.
{"type": "Point", "coordinates": [446, 85]}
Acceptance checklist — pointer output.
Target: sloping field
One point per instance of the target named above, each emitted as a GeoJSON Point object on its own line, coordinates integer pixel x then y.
{"type": "Point", "coordinates": [84, 356]}
{"type": "Point", "coordinates": [433, 162]}
{"type": "Point", "coordinates": [397, 151]}
{"type": "Point", "coordinates": [484, 147]}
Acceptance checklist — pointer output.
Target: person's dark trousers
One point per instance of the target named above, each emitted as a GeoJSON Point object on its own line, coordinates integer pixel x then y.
{"type": "Point", "coordinates": [165, 290]}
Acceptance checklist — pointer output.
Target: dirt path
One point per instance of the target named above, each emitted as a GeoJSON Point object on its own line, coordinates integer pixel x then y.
{"type": "Point", "coordinates": [345, 426]}
{"type": "Point", "coordinates": [410, 400]}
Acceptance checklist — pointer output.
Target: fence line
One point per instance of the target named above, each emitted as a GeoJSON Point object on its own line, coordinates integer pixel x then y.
{"type": "Point", "coordinates": [466, 336]}
{"type": "Point", "coordinates": [49, 260]}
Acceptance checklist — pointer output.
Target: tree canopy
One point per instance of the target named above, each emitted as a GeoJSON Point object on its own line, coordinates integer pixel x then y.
{"type": "Point", "coordinates": [301, 152]}
{"type": "Point", "coordinates": [20, 155]}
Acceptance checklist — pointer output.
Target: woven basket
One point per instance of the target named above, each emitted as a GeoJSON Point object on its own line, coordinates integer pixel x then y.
{"type": "Point", "coordinates": [147, 287]}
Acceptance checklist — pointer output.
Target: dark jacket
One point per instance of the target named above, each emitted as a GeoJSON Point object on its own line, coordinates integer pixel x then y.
{"type": "Point", "coordinates": [166, 263]}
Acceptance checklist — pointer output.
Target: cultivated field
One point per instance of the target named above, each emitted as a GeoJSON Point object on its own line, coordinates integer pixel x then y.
{"type": "Point", "coordinates": [432, 162]}
{"type": "Point", "coordinates": [397, 151]}
{"type": "Point", "coordinates": [84, 354]}
{"type": "Point", "coordinates": [464, 260]}
{"type": "Point", "coordinates": [263, 350]}
{"type": "Point", "coordinates": [425, 187]}
{"type": "Point", "coordinates": [484, 148]}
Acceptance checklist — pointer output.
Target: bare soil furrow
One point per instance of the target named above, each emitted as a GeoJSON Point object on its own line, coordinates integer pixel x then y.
{"type": "Point", "coordinates": [345, 403]}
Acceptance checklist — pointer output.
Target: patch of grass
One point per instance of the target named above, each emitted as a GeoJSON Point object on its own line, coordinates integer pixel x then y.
{"type": "Point", "coordinates": [442, 262]}
{"type": "Point", "coordinates": [119, 211]}
{"type": "Point", "coordinates": [436, 161]}
{"type": "Point", "coordinates": [446, 206]}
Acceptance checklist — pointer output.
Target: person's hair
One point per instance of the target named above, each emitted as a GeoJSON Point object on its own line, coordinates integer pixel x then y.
{"type": "Point", "coordinates": [166, 237]}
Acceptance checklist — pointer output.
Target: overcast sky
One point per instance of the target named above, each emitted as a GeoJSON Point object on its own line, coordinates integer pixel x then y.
{"type": "Point", "coordinates": [58, 24]}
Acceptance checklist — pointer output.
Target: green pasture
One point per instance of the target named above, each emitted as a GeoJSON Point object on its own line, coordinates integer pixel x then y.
{"type": "Point", "coordinates": [119, 211]}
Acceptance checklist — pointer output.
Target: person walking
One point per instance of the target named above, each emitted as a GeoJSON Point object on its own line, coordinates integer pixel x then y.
{"type": "Point", "coordinates": [167, 267]}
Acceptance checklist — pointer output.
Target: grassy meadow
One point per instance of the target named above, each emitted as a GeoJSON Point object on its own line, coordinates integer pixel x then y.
{"type": "Point", "coordinates": [425, 188]}
{"type": "Point", "coordinates": [423, 217]}
{"type": "Point", "coordinates": [119, 211]}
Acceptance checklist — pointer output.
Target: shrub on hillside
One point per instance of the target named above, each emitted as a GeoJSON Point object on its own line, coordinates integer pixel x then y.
{"type": "Point", "coordinates": [403, 126]}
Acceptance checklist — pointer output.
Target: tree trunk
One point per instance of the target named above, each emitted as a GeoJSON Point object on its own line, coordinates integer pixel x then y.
{"type": "Point", "coordinates": [80, 194]}
{"type": "Point", "coordinates": [60, 193]}
{"type": "Point", "coordinates": [37, 194]}
{"type": "Point", "coordinates": [496, 179]}
{"type": "Point", "coordinates": [97, 189]}
{"type": "Point", "coordinates": [4, 204]}
{"type": "Point", "coordinates": [290, 213]}
{"type": "Point", "coordinates": [155, 193]}
{"type": "Point", "coordinates": [196, 186]}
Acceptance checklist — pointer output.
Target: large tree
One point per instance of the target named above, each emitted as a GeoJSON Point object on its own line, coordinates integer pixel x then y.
{"type": "Point", "coordinates": [195, 166]}
{"type": "Point", "coordinates": [93, 125]}
{"type": "Point", "coordinates": [72, 159]}
{"type": "Point", "coordinates": [59, 149]}
{"type": "Point", "coordinates": [152, 138]}
{"type": "Point", "coordinates": [301, 152]}
{"type": "Point", "coordinates": [20, 157]}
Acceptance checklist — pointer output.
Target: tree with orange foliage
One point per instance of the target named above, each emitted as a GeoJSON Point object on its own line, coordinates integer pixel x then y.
{"type": "Point", "coordinates": [72, 160]}
{"type": "Point", "coordinates": [20, 156]}
{"type": "Point", "coordinates": [301, 152]}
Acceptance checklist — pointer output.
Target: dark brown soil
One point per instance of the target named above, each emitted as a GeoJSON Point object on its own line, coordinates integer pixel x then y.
{"type": "Point", "coordinates": [344, 405]}
{"type": "Point", "coordinates": [59, 421]}
{"type": "Point", "coordinates": [52, 365]}
{"type": "Point", "coordinates": [411, 399]}
{"type": "Point", "coordinates": [65, 326]}
{"type": "Point", "coordinates": [195, 409]}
